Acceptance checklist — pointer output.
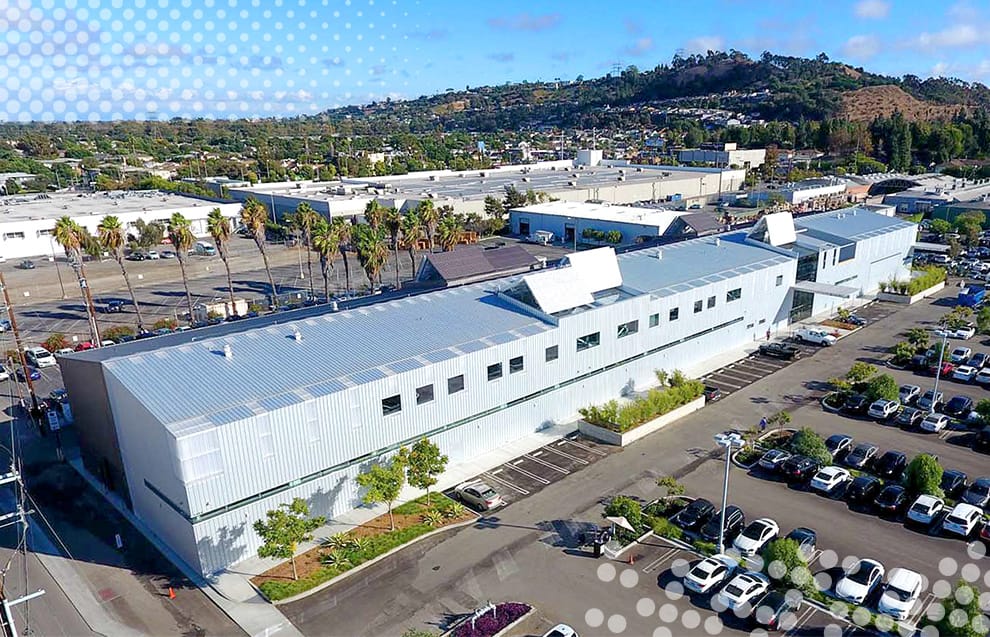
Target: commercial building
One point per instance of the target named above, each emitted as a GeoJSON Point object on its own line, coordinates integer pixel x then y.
{"type": "Point", "coordinates": [471, 264]}
{"type": "Point", "coordinates": [723, 154]}
{"type": "Point", "coordinates": [569, 221]}
{"type": "Point", "coordinates": [949, 193]}
{"type": "Point", "coordinates": [27, 221]}
{"type": "Point", "coordinates": [203, 432]}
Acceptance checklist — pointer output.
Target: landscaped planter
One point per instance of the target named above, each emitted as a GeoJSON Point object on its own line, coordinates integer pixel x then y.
{"type": "Point", "coordinates": [827, 407]}
{"type": "Point", "coordinates": [491, 622]}
{"type": "Point", "coordinates": [909, 300]}
{"type": "Point", "coordinates": [610, 437]}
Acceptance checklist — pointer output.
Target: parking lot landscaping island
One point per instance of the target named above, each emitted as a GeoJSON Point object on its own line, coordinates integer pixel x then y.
{"type": "Point", "coordinates": [493, 621]}
{"type": "Point", "coordinates": [928, 281]}
{"type": "Point", "coordinates": [343, 552]}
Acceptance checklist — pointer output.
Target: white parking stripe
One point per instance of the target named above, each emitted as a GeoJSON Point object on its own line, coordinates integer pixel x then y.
{"type": "Point", "coordinates": [741, 371]}
{"type": "Point", "coordinates": [511, 465]}
{"type": "Point", "coordinates": [566, 455]}
{"type": "Point", "coordinates": [506, 483]}
{"type": "Point", "coordinates": [548, 464]}
{"type": "Point", "coordinates": [803, 616]}
{"type": "Point", "coordinates": [738, 379]}
{"type": "Point", "coordinates": [721, 381]}
{"type": "Point", "coordinates": [585, 447]}
{"type": "Point", "coordinates": [652, 566]}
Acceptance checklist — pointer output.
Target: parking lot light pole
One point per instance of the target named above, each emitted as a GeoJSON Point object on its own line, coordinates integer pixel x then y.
{"type": "Point", "coordinates": [729, 441]}
{"type": "Point", "coordinates": [938, 368]}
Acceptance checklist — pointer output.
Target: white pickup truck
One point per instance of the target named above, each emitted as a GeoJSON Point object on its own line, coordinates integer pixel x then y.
{"type": "Point", "coordinates": [815, 335]}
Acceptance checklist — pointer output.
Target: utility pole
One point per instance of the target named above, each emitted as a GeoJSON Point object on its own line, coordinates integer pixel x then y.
{"type": "Point", "coordinates": [35, 411]}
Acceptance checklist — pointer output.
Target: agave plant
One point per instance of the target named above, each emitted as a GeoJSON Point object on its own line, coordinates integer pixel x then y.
{"type": "Point", "coordinates": [359, 544]}
{"type": "Point", "coordinates": [335, 557]}
{"type": "Point", "coordinates": [339, 541]}
{"type": "Point", "coordinates": [433, 518]}
{"type": "Point", "coordinates": [452, 510]}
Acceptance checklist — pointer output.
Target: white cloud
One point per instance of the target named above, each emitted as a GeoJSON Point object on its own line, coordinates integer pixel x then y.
{"type": "Point", "coordinates": [861, 47]}
{"type": "Point", "coordinates": [939, 69]}
{"type": "Point", "coordinates": [641, 46]}
{"type": "Point", "coordinates": [959, 35]}
{"type": "Point", "coordinates": [704, 44]}
{"type": "Point", "coordinates": [963, 10]}
{"type": "Point", "coordinates": [872, 9]}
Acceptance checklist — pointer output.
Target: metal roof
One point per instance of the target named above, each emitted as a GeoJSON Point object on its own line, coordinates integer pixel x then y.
{"type": "Point", "coordinates": [269, 367]}
{"type": "Point", "coordinates": [853, 223]}
{"type": "Point", "coordinates": [477, 261]}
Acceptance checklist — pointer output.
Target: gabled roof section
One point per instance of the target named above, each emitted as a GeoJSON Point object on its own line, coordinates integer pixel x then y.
{"type": "Point", "coordinates": [572, 284]}
{"type": "Point", "coordinates": [776, 229]}
{"type": "Point", "coordinates": [598, 268]}
{"type": "Point", "coordinates": [473, 263]}
{"type": "Point", "coordinates": [853, 224]}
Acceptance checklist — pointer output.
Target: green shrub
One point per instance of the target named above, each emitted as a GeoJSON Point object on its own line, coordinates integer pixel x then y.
{"type": "Point", "coordinates": [923, 475]}
{"type": "Point", "coordinates": [882, 386]}
{"type": "Point", "coordinates": [808, 443]}
{"type": "Point", "coordinates": [655, 403]}
{"type": "Point", "coordinates": [665, 528]}
{"type": "Point", "coordinates": [627, 508]}
{"type": "Point", "coordinates": [902, 353]}
{"type": "Point", "coordinates": [705, 548]}
{"type": "Point", "coordinates": [930, 275]}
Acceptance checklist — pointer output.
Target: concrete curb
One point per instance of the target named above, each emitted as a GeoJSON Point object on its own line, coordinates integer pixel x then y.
{"type": "Point", "coordinates": [826, 407]}
{"type": "Point", "coordinates": [364, 565]}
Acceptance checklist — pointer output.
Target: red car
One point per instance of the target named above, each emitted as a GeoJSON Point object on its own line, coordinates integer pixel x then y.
{"type": "Point", "coordinates": [85, 345]}
{"type": "Point", "coordinates": [947, 369]}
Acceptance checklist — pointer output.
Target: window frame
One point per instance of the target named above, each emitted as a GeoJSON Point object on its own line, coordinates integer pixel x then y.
{"type": "Point", "coordinates": [388, 411]}
{"type": "Point", "coordinates": [546, 353]}
{"type": "Point", "coordinates": [494, 372]}
{"type": "Point", "coordinates": [631, 327]}
{"type": "Point", "coordinates": [589, 341]}
{"type": "Point", "coordinates": [733, 295]}
{"type": "Point", "coordinates": [698, 306]}
{"type": "Point", "coordinates": [420, 400]}
{"type": "Point", "coordinates": [460, 379]}
{"type": "Point", "coordinates": [674, 314]}
{"type": "Point", "coordinates": [710, 303]}
{"type": "Point", "coordinates": [513, 369]}
{"type": "Point", "coordinates": [655, 320]}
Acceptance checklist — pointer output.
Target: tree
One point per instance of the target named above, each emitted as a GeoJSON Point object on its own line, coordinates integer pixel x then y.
{"type": "Point", "coordinates": [393, 223]}
{"type": "Point", "coordinates": [112, 239]}
{"type": "Point", "coordinates": [940, 227]}
{"type": "Point", "coordinates": [670, 485]}
{"type": "Point", "coordinates": [494, 207]}
{"type": "Point", "coordinates": [219, 228]}
{"type": "Point", "coordinates": [180, 233]}
{"type": "Point", "coordinates": [924, 476]}
{"type": "Point", "coordinates": [513, 198]}
{"type": "Point", "coordinates": [902, 352]}
{"type": "Point", "coordinates": [55, 342]}
{"type": "Point", "coordinates": [627, 508]}
{"type": "Point", "coordinates": [374, 214]}
{"type": "Point", "coordinates": [983, 409]}
{"type": "Point", "coordinates": [429, 217]}
{"type": "Point", "coordinates": [449, 232]}
{"type": "Point", "coordinates": [71, 236]}
{"type": "Point", "coordinates": [116, 332]}
{"type": "Point", "coordinates": [983, 320]}
{"type": "Point", "coordinates": [344, 231]}
{"type": "Point", "coordinates": [919, 337]}
{"type": "Point", "coordinates": [304, 220]}
{"type": "Point", "coordinates": [371, 250]}
{"type": "Point", "coordinates": [412, 232]}
{"type": "Point", "coordinates": [860, 372]}
{"type": "Point", "coordinates": [254, 217]}
{"type": "Point", "coordinates": [963, 615]}
{"type": "Point", "coordinates": [424, 464]}
{"type": "Point", "coordinates": [284, 528]}
{"type": "Point", "coordinates": [149, 234]}
{"type": "Point", "coordinates": [957, 317]}
{"type": "Point", "coordinates": [807, 442]}
{"type": "Point", "coordinates": [783, 560]}
{"type": "Point", "coordinates": [882, 386]}
{"type": "Point", "coordinates": [326, 242]}
{"type": "Point", "coordinates": [383, 482]}
{"type": "Point", "coordinates": [779, 419]}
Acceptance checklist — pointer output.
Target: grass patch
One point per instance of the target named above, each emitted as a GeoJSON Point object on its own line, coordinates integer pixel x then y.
{"type": "Point", "coordinates": [665, 528]}
{"type": "Point", "coordinates": [359, 545]}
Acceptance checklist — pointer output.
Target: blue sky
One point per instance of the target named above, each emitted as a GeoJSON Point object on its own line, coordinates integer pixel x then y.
{"type": "Point", "coordinates": [140, 59]}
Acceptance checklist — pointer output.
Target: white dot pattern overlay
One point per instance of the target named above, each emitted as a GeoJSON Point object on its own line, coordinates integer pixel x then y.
{"type": "Point", "coordinates": [90, 60]}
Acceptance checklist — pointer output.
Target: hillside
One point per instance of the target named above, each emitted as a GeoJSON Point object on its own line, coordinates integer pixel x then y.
{"type": "Point", "coordinates": [865, 104]}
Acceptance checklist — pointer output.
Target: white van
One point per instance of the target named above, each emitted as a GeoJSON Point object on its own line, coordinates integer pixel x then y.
{"type": "Point", "coordinates": [204, 249]}
{"type": "Point", "coordinates": [39, 357]}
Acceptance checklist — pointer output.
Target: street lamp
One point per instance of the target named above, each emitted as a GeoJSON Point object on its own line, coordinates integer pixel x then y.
{"type": "Point", "coordinates": [729, 441]}
{"type": "Point", "coordinates": [938, 367]}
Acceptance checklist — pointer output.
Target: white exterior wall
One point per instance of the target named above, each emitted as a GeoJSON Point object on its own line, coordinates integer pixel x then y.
{"type": "Point", "coordinates": [556, 224]}
{"type": "Point", "coordinates": [38, 242]}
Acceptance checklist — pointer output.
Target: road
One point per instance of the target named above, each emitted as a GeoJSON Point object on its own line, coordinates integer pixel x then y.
{"type": "Point", "coordinates": [527, 551]}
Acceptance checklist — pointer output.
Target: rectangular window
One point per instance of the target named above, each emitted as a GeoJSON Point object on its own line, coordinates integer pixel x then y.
{"type": "Point", "coordinates": [627, 328]}
{"type": "Point", "coordinates": [495, 371]}
{"type": "Point", "coordinates": [780, 280]}
{"type": "Point", "coordinates": [588, 341]}
{"type": "Point", "coordinates": [733, 295]}
{"type": "Point", "coordinates": [266, 439]}
{"type": "Point", "coordinates": [674, 313]}
{"type": "Point", "coordinates": [697, 306]}
{"type": "Point", "coordinates": [13, 235]}
{"type": "Point", "coordinates": [455, 384]}
{"type": "Point", "coordinates": [711, 302]}
{"type": "Point", "coordinates": [198, 456]}
{"type": "Point", "coordinates": [516, 365]}
{"type": "Point", "coordinates": [835, 256]}
{"type": "Point", "coordinates": [44, 233]}
{"type": "Point", "coordinates": [654, 320]}
{"type": "Point", "coordinates": [424, 394]}
{"type": "Point", "coordinates": [552, 353]}
{"type": "Point", "coordinates": [847, 252]}
{"type": "Point", "coordinates": [391, 405]}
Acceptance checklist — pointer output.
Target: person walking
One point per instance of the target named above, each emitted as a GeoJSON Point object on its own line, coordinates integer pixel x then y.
{"type": "Point", "coordinates": [768, 334]}
{"type": "Point", "coordinates": [763, 424]}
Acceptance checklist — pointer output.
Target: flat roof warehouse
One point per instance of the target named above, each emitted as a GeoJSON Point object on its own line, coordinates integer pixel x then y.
{"type": "Point", "coordinates": [55, 206]}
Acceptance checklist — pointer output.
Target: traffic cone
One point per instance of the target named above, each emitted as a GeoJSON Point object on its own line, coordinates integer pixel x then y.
{"type": "Point", "coordinates": [171, 593]}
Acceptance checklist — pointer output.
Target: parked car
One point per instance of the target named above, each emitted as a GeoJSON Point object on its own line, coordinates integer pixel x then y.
{"type": "Point", "coordinates": [4, 374]}
{"type": "Point", "coordinates": [779, 350]}
{"type": "Point", "coordinates": [771, 608]}
{"type": "Point", "coordinates": [755, 536]}
{"type": "Point", "coordinates": [743, 590]}
{"type": "Point", "coordinates": [883, 409]}
{"type": "Point", "coordinates": [153, 255]}
{"type": "Point", "coordinates": [859, 580]}
{"type": "Point", "coordinates": [4, 325]}
{"type": "Point", "coordinates": [773, 460]}
{"type": "Point", "coordinates": [828, 479]}
{"type": "Point", "coordinates": [26, 265]}
{"type": "Point", "coordinates": [983, 377]}
{"type": "Point", "coordinates": [963, 520]}
{"type": "Point", "coordinates": [965, 332]}
{"type": "Point", "coordinates": [979, 360]}
{"type": "Point", "coordinates": [112, 306]}
{"type": "Point", "coordinates": [58, 395]}
{"type": "Point", "coordinates": [931, 400]}
{"type": "Point", "coordinates": [710, 573]}
{"type": "Point", "coordinates": [82, 347]}
{"type": "Point", "coordinates": [863, 490]}
{"type": "Point", "coordinates": [900, 594]}
{"type": "Point", "coordinates": [919, 362]}
{"type": "Point", "coordinates": [861, 456]}
{"type": "Point", "coordinates": [960, 355]}
{"type": "Point", "coordinates": [908, 393]}
{"type": "Point", "coordinates": [168, 254]}
{"type": "Point", "coordinates": [478, 494]}
{"type": "Point", "coordinates": [934, 423]}
{"type": "Point", "coordinates": [891, 465]}
{"type": "Point", "coordinates": [910, 417]}
{"type": "Point", "coordinates": [561, 630]}
{"type": "Point", "coordinates": [137, 256]}
{"type": "Point", "coordinates": [712, 393]}
{"type": "Point", "coordinates": [891, 500]}
{"type": "Point", "coordinates": [925, 511]}
{"type": "Point", "coordinates": [39, 357]}
{"type": "Point", "coordinates": [838, 445]}
{"type": "Point", "coordinates": [32, 372]}
{"type": "Point", "coordinates": [953, 483]}
{"type": "Point", "coordinates": [815, 335]}
{"type": "Point", "coordinates": [694, 515]}
{"type": "Point", "coordinates": [735, 520]}
{"type": "Point", "coordinates": [978, 493]}
{"type": "Point", "coordinates": [982, 441]}
{"type": "Point", "coordinates": [958, 406]}
{"type": "Point", "coordinates": [855, 319]}
{"type": "Point", "coordinates": [856, 404]}
{"type": "Point", "coordinates": [944, 369]}
{"type": "Point", "coordinates": [807, 540]}
{"type": "Point", "coordinates": [964, 373]}
{"type": "Point", "coordinates": [800, 468]}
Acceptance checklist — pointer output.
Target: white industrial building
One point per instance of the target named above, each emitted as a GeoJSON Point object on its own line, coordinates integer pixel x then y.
{"type": "Point", "coordinates": [588, 177]}
{"type": "Point", "coordinates": [724, 154]}
{"type": "Point", "coordinates": [27, 221]}
{"type": "Point", "coordinates": [203, 432]}
{"type": "Point", "coordinates": [568, 220]}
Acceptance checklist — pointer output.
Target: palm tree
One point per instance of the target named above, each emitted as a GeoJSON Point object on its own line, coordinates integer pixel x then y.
{"type": "Point", "coordinates": [393, 221]}
{"type": "Point", "coordinates": [342, 228]}
{"type": "Point", "coordinates": [71, 236]}
{"type": "Point", "coordinates": [304, 220]}
{"type": "Point", "coordinates": [412, 232]}
{"type": "Point", "coordinates": [371, 250]}
{"type": "Point", "coordinates": [182, 240]}
{"type": "Point", "coordinates": [429, 217]}
{"type": "Point", "coordinates": [112, 239]}
{"type": "Point", "coordinates": [254, 217]}
{"type": "Point", "coordinates": [449, 232]}
{"type": "Point", "coordinates": [374, 214]}
{"type": "Point", "coordinates": [219, 227]}
{"type": "Point", "coordinates": [326, 242]}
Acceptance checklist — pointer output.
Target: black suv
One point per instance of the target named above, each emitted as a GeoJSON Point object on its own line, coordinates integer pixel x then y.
{"type": "Point", "coordinates": [863, 489]}
{"type": "Point", "coordinates": [800, 468]}
{"type": "Point", "coordinates": [779, 350]}
{"type": "Point", "coordinates": [891, 465]}
{"type": "Point", "coordinates": [735, 520]}
{"type": "Point", "coordinates": [856, 405]}
{"type": "Point", "coordinates": [694, 515]}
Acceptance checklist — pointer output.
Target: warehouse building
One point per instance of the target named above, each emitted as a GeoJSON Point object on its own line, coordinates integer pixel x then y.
{"type": "Point", "coordinates": [571, 221]}
{"type": "Point", "coordinates": [723, 154]}
{"type": "Point", "coordinates": [203, 432]}
{"type": "Point", "coordinates": [28, 221]}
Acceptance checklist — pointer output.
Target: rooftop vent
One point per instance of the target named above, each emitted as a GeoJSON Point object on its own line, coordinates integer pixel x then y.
{"type": "Point", "coordinates": [297, 335]}
{"type": "Point", "coordinates": [718, 242]}
{"type": "Point", "coordinates": [228, 353]}
{"type": "Point", "coordinates": [660, 255]}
